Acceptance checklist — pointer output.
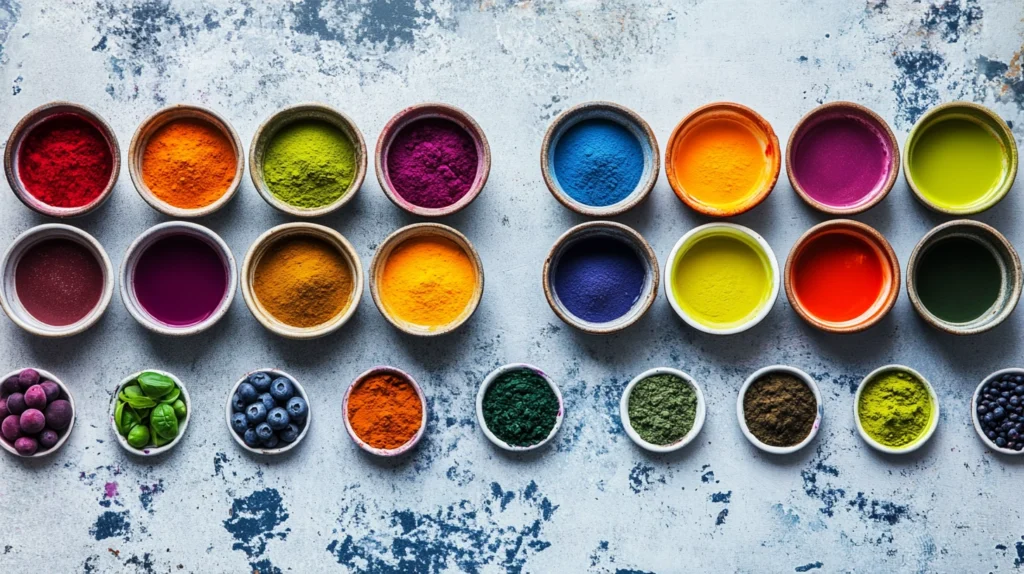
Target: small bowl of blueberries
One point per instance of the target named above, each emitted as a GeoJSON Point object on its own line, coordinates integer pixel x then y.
{"type": "Point", "coordinates": [268, 412]}
{"type": "Point", "coordinates": [997, 410]}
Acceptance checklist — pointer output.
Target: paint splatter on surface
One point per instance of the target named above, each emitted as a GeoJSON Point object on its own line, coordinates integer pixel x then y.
{"type": "Point", "coordinates": [254, 521]}
{"type": "Point", "coordinates": [111, 524]}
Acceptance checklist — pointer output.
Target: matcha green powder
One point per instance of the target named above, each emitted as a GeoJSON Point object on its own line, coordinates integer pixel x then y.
{"type": "Point", "coordinates": [309, 164]}
{"type": "Point", "coordinates": [662, 409]}
{"type": "Point", "coordinates": [520, 408]}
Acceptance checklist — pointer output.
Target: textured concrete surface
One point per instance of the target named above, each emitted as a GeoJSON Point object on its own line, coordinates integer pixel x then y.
{"type": "Point", "coordinates": [593, 502]}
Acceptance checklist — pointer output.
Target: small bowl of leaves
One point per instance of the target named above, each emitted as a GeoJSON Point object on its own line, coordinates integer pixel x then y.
{"type": "Point", "coordinates": [149, 412]}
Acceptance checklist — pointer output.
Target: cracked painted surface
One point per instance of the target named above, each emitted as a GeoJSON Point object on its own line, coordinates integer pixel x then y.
{"type": "Point", "coordinates": [592, 501]}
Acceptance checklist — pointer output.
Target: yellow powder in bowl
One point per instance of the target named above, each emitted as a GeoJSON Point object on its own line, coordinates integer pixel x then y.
{"type": "Point", "coordinates": [427, 281]}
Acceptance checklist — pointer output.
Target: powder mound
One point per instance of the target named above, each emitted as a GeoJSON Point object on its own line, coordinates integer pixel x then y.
{"type": "Point", "coordinates": [662, 409]}
{"type": "Point", "coordinates": [303, 281]}
{"type": "Point", "coordinates": [310, 164]}
{"type": "Point", "coordinates": [427, 281]}
{"type": "Point", "coordinates": [65, 161]}
{"type": "Point", "coordinates": [520, 408]}
{"type": "Point", "coordinates": [385, 411]}
{"type": "Point", "coordinates": [779, 410]}
{"type": "Point", "coordinates": [432, 162]}
{"type": "Point", "coordinates": [895, 409]}
{"type": "Point", "coordinates": [189, 163]}
{"type": "Point", "coordinates": [598, 162]}
{"type": "Point", "coordinates": [599, 279]}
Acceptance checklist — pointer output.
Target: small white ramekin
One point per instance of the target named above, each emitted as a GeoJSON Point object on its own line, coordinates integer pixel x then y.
{"type": "Point", "coordinates": [412, 442]}
{"type": "Point", "coordinates": [489, 380]}
{"type": "Point", "coordinates": [974, 411]}
{"type": "Point", "coordinates": [698, 421]}
{"type": "Point", "coordinates": [46, 375]}
{"type": "Point", "coordinates": [182, 427]}
{"type": "Point", "coordinates": [927, 434]}
{"type": "Point", "coordinates": [228, 411]}
{"type": "Point", "coordinates": [741, 414]}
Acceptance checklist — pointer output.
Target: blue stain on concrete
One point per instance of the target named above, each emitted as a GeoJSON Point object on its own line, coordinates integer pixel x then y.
{"type": "Point", "coordinates": [951, 18]}
{"type": "Point", "coordinates": [148, 492]}
{"type": "Point", "coordinates": [1019, 560]}
{"type": "Point", "coordinates": [809, 567]}
{"type": "Point", "coordinates": [919, 72]}
{"type": "Point", "coordinates": [254, 521]}
{"type": "Point", "coordinates": [631, 571]}
{"type": "Point", "coordinates": [880, 510]}
{"type": "Point", "coordinates": [503, 497]}
{"type": "Point", "coordinates": [720, 520]}
{"type": "Point", "coordinates": [111, 524]}
{"type": "Point", "coordinates": [786, 516]}
{"type": "Point", "coordinates": [722, 497]}
{"type": "Point", "coordinates": [640, 478]}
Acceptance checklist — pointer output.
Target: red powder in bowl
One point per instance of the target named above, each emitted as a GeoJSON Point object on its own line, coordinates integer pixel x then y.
{"type": "Point", "coordinates": [58, 281]}
{"type": "Point", "coordinates": [65, 161]}
{"type": "Point", "coordinates": [838, 276]}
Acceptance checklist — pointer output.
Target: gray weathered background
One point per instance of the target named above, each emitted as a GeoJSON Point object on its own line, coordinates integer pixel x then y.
{"type": "Point", "coordinates": [593, 501]}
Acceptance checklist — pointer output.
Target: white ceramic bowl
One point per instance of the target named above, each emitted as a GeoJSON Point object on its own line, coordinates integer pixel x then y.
{"type": "Point", "coordinates": [348, 423]}
{"type": "Point", "coordinates": [924, 436]}
{"type": "Point", "coordinates": [698, 421]}
{"type": "Point", "coordinates": [275, 373]}
{"type": "Point", "coordinates": [741, 415]}
{"type": "Point", "coordinates": [47, 375]}
{"type": "Point", "coordinates": [489, 379]}
{"type": "Point", "coordinates": [150, 236]}
{"type": "Point", "coordinates": [9, 295]}
{"type": "Point", "coordinates": [710, 229]}
{"type": "Point", "coordinates": [182, 426]}
{"type": "Point", "coordinates": [974, 411]}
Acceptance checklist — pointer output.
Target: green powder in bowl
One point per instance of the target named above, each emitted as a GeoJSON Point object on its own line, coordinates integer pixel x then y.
{"type": "Point", "coordinates": [520, 408]}
{"type": "Point", "coordinates": [895, 409]}
{"type": "Point", "coordinates": [662, 409]}
{"type": "Point", "coordinates": [310, 164]}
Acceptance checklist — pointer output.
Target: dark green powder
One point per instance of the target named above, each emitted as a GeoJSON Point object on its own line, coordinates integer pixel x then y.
{"type": "Point", "coordinates": [958, 279]}
{"type": "Point", "coordinates": [662, 409]}
{"type": "Point", "coordinates": [520, 408]}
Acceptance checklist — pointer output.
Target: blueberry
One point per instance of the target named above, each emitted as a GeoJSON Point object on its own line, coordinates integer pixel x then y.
{"type": "Point", "coordinates": [297, 408]}
{"type": "Point", "coordinates": [237, 404]}
{"type": "Point", "coordinates": [989, 418]}
{"type": "Point", "coordinates": [991, 435]}
{"type": "Point", "coordinates": [272, 442]}
{"type": "Point", "coordinates": [1012, 434]}
{"type": "Point", "coordinates": [267, 400]}
{"type": "Point", "coordinates": [282, 389]}
{"type": "Point", "coordinates": [256, 413]}
{"type": "Point", "coordinates": [1014, 400]}
{"type": "Point", "coordinates": [982, 409]}
{"type": "Point", "coordinates": [998, 413]}
{"type": "Point", "coordinates": [1018, 379]}
{"type": "Point", "coordinates": [278, 418]}
{"type": "Point", "coordinates": [1002, 401]}
{"type": "Point", "coordinates": [1000, 442]}
{"type": "Point", "coordinates": [250, 439]}
{"type": "Point", "coordinates": [263, 431]}
{"type": "Point", "coordinates": [239, 423]}
{"type": "Point", "coordinates": [261, 381]}
{"type": "Point", "coordinates": [247, 392]}
{"type": "Point", "coordinates": [289, 434]}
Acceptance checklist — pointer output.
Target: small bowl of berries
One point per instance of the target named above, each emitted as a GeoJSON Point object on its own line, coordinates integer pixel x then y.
{"type": "Point", "coordinates": [37, 413]}
{"type": "Point", "coordinates": [268, 412]}
{"type": "Point", "coordinates": [997, 410]}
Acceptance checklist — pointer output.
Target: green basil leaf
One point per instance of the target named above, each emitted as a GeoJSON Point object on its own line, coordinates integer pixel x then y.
{"type": "Point", "coordinates": [155, 385]}
{"type": "Point", "coordinates": [118, 411]}
{"type": "Point", "coordinates": [138, 437]}
{"type": "Point", "coordinates": [180, 410]}
{"type": "Point", "coordinates": [157, 440]}
{"type": "Point", "coordinates": [129, 392]}
{"type": "Point", "coordinates": [172, 396]}
{"type": "Point", "coordinates": [141, 402]}
{"type": "Point", "coordinates": [164, 421]}
{"type": "Point", "coordinates": [140, 413]}
{"type": "Point", "coordinates": [128, 421]}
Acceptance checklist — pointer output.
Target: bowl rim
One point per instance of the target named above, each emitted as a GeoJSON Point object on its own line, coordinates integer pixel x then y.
{"type": "Point", "coordinates": [398, 237]}
{"type": "Point", "coordinates": [639, 244]}
{"type": "Point", "coordinates": [146, 452]}
{"type": "Point", "coordinates": [851, 109]}
{"type": "Point", "coordinates": [300, 228]}
{"type": "Point", "coordinates": [1014, 272]}
{"type": "Point", "coordinates": [228, 411]}
{"type": "Point", "coordinates": [408, 445]}
{"type": "Point", "coordinates": [25, 125]}
{"type": "Point", "coordinates": [707, 229]}
{"type": "Point", "coordinates": [41, 233]}
{"type": "Point", "coordinates": [489, 380]}
{"type": "Point", "coordinates": [282, 117]}
{"type": "Point", "coordinates": [755, 199]}
{"type": "Point", "coordinates": [177, 227]}
{"type": "Point", "coordinates": [162, 117]}
{"type": "Point", "coordinates": [741, 414]}
{"type": "Point", "coordinates": [974, 411]}
{"type": "Point", "coordinates": [570, 117]}
{"type": "Point", "coordinates": [698, 421]}
{"type": "Point", "coordinates": [428, 110]}
{"type": "Point", "coordinates": [1007, 140]}
{"type": "Point", "coordinates": [44, 374]}
{"type": "Point", "coordinates": [923, 438]}
{"type": "Point", "coordinates": [864, 232]}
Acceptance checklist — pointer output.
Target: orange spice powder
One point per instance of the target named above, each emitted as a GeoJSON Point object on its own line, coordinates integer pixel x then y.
{"type": "Point", "coordinates": [385, 411]}
{"type": "Point", "coordinates": [188, 163]}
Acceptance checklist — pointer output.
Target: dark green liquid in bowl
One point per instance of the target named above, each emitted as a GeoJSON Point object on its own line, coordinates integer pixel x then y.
{"type": "Point", "coordinates": [958, 279]}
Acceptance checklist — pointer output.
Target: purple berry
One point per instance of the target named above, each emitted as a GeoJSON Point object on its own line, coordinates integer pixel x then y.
{"type": "Point", "coordinates": [26, 446]}
{"type": "Point", "coordinates": [35, 397]}
{"type": "Point", "coordinates": [48, 438]}
{"type": "Point", "coordinates": [51, 389]}
{"type": "Point", "coordinates": [3, 409]}
{"type": "Point", "coordinates": [10, 385]}
{"type": "Point", "coordinates": [16, 403]}
{"type": "Point", "coordinates": [32, 421]}
{"type": "Point", "coordinates": [27, 378]}
{"type": "Point", "coordinates": [58, 414]}
{"type": "Point", "coordinates": [11, 428]}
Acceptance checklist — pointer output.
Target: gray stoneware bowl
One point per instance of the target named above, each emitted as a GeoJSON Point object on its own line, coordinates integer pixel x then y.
{"type": "Point", "coordinates": [9, 295]}
{"type": "Point", "coordinates": [698, 421]}
{"type": "Point", "coordinates": [182, 427]}
{"type": "Point", "coordinates": [408, 446]}
{"type": "Point", "coordinates": [67, 432]}
{"type": "Point", "coordinates": [275, 373]}
{"type": "Point", "coordinates": [1009, 267]}
{"type": "Point", "coordinates": [741, 414]}
{"type": "Point", "coordinates": [603, 229]}
{"type": "Point", "coordinates": [626, 118]}
{"type": "Point", "coordinates": [489, 380]}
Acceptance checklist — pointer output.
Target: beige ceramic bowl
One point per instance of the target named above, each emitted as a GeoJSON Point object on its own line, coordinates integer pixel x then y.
{"type": "Point", "coordinates": [425, 230]}
{"type": "Point", "coordinates": [301, 112]}
{"type": "Point", "coordinates": [412, 442]}
{"type": "Point", "coordinates": [259, 248]}
{"type": "Point", "coordinates": [137, 149]}
{"type": "Point", "coordinates": [65, 392]}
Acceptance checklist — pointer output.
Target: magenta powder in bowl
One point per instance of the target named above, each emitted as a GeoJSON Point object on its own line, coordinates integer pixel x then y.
{"type": "Point", "coordinates": [432, 162]}
{"type": "Point", "coordinates": [843, 157]}
{"type": "Point", "coordinates": [180, 280]}
{"type": "Point", "coordinates": [59, 281]}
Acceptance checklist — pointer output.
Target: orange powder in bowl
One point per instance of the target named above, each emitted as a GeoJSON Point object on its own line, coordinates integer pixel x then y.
{"type": "Point", "coordinates": [385, 411]}
{"type": "Point", "coordinates": [189, 163]}
{"type": "Point", "coordinates": [427, 281]}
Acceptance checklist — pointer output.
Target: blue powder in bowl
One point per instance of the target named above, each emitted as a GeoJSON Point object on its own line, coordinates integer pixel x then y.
{"type": "Point", "coordinates": [599, 279]}
{"type": "Point", "coordinates": [598, 162]}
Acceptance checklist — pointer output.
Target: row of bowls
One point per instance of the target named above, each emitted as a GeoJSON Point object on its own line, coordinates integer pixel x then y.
{"type": "Point", "coordinates": [698, 424]}
{"type": "Point", "coordinates": [598, 109]}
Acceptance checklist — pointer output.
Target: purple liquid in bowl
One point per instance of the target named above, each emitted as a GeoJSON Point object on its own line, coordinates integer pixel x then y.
{"type": "Point", "coordinates": [180, 280]}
